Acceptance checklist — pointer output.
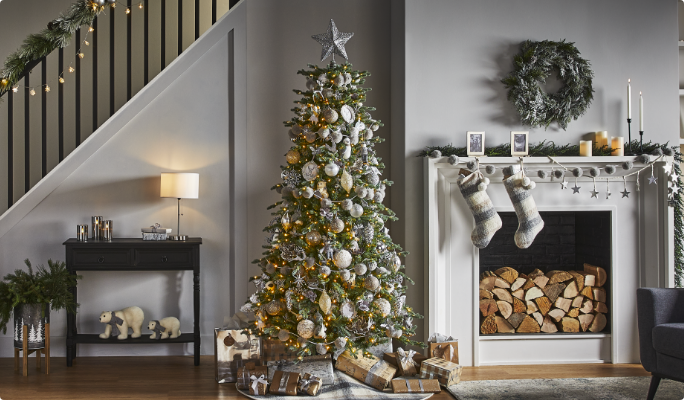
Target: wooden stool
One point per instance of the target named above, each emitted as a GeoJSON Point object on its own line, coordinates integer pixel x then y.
{"type": "Point", "coordinates": [27, 352]}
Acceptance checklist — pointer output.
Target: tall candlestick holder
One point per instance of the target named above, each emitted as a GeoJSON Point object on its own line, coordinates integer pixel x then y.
{"type": "Point", "coordinates": [641, 142]}
{"type": "Point", "coordinates": [629, 131]}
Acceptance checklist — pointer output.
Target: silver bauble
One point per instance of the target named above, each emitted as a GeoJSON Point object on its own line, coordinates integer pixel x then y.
{"type": "Point", "coordinates": [371, 283]}
{"type": "Point", "coordinates": [342, 259]}
{"type": "Point", "coordinates": [354, 138]}
{"type": "Point", "coordinates": [98, 2]}
{"type": "Point", "coordinates": [310, 171]}
{"type": "Point", "coordinates": [375, 126]}
{"type": "Point", "coordinates": [338, 80]}
{"type": "Point", "coordinates": [284, 335]}
{"type": "Point", "coordinates": [373, 179]}
{"type": "Point", "coordinates": [307, 192]}
{"type": "Point", "coordinates": [323, 133]}
{"type": "Point", "coordinates": [383, 306]}
{"type": "Point", "coordinates": [327, 92]}
{"type": "Point", "coordinates": [360, 125]}
{"type": "Point", "coordinates": [337, 136]}
{"type": "Point", "coordinates": [370, 194]}
{"type": "Point", "coordinates": [310, 136]}
{"type": "Point", "coordinates": [347, 205]}
{"type": "Point", "coordinates": [372, 266]}
{"type": "Point", "coordinates": [274, 307]}
{"type": "Point", "coordinates": [326, 203]}
{"type": "Point", "coordinates": [321, 348]}
{"type": "Point", "coordinates": [305, 328]}
{"type": "Point", "coordinates": [368, 233]}
{"type": "Point", "coordinates": [297, 129]}
{"type": "Point", "coordinates": [332, 169]}
{"type": "Point", "coordinates": [310, 261]}
{"type": "Point", "coordinates": [322, 78]}
{"type": "Point", "coordinates": [345, 274]}
{"type": "Point", "coordinates": [356, 211]}
{"type": "Point", "coordinates": [341, 343]}
{"type": "Point", "coordinates": [360, 269]}
{"type": "Point", "coordinates": [368, 135]}
{"type": "Point", "coordinates": [324, 270]}
{"type": "Point", "coordinates": [330, 115]}
{"type": "Point", "coordinates": [360, 191]}
{"type": "Point", "coordinates": [379, 196]}
{"type": "Point", "coordinates": [337, 225]}
{"type": "Point", "coordinates": [347, 309]}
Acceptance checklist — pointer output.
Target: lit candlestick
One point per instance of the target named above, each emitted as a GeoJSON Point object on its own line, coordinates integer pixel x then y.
{"type": "Point", "coordinates": [641, 112]}
{"type": "Point", "coordinates": [601, 139]}
{"type": "Point", "coordinates": [585, 148]}
{"type": "Point", "coordinates": [629, 98]}
{"type": "Point", "coordinates": [617, 143]}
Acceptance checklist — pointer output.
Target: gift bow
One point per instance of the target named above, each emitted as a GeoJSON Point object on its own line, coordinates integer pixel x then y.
{"type": "Point", "coordinates": [439, 338]}
{"type": "Point", "coordinates": [256, 381]}
{"type": "Point", "coordinates": [406, 356]}
{"type": "Point", "coordinates": [307, 382]}
{"type": "Point", "coordinates": [446, 352]}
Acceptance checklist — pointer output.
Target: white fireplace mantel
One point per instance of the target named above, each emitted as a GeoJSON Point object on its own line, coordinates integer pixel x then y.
{"type": "Point", "coordinates": [642, 253]}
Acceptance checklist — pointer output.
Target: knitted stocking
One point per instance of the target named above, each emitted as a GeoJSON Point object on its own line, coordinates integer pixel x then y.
{"type": "Point", "coordinates": [530, 222]}
{"type": "Point", "coordinates": [487, 221]}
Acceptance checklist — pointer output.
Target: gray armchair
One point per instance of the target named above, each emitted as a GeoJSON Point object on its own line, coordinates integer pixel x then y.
{"type": "Point", "coordinates": [661, 334]}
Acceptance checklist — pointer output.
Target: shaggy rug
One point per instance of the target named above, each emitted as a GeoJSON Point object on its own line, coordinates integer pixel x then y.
{"type": "Point", "coordinates": [567, 389]}
{"type": "Point", "coordinates": [346, 388]}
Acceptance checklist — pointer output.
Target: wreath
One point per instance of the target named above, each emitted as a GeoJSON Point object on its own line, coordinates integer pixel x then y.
{"type": "Point", "coordinates": [535, 63]}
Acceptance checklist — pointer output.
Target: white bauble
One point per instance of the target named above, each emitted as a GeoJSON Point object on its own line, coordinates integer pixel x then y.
{"type": "Point", "coordinates": [373, 179]}
{"type": "Point", "coordinates": [375, 126]}
{"type": "Point", "coordinates": [321, 349]}
{"type": "Point", "coordinates": [347, 113]}
{"type": "Point", "coordinates": [356, 211]}
{"type": "Point", "coordinates": [379, 196]}
{"type": "Point", "coordinates": [345, 274]}
{"type": "Point", "coordinates": [337, 136]}
{"type": "Point", "coordinates": [310, 171]}
{"type": "Point", "coordinates": [305, 328]}
{"type": "Point", "coordinates": [371, 283]}
{"type": "Point", "coordinates": [337, 225]}
{"type": "Point", "coordinates": [347, 309]}
{"type": "Point", "coordinates": [332, 169]}
{"type": "Point", "coordinates": [324, 270]}
{"type": "Point", "coordinates": [347, 205]}
{"type": "Point", "coordinates": [369, 134]}
{"type": "Point", "coordinates": [323, 133]}
{"type": "Point", "coordinates": [383, 305]}
{"type": "Point", "coordinates": [330, 115]}
{"type": "Point", "coordinates": [372, 266]}
{"type": "Point", "coordinates": [360, 269]}
{"type": "Point", "coordinates": [342, 259]}
{"type": "Point", "coordinates": [347, 78]}
{"type": "Point", "coordinates": [307, 192]}
{"type": "Point", "coordinates": [284, 335]}
{"type": "Point", "coordinates": [360, 191]}
{"type": "Point", "coordinates": [326, 203]}
{"type": "Point", "coordinates": [322, 78]}
{"type": "Point", "coordinates": [370, 194]}
{"type": "Point", "coordinates": [360, 126]}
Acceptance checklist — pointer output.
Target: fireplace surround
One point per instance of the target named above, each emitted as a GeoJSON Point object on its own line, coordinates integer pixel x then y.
{"type": "Point", "coordinates": [640, 254]}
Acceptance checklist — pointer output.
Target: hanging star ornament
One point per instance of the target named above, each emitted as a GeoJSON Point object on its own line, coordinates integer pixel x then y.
{"type": "Point", "coordinates": [652, 180]}
{"type": "Point", "coordinates": [594, 194]}
{"type": "Point", "coordinates": [667, 168]}
{"type": "Point", "coordinates": [576, 189]}
{"type": "Point", "coordinates": [564, 184]}
{"type": "Point", "coordinates": [625, 193]}
{"type": "Point", "coordinates": [333, 42]}
{"type": "Point", "coordinates": [608, 195]}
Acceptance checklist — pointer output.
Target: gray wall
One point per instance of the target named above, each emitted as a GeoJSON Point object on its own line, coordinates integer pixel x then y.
{"type": "Point", "coordinates": [456, 52]}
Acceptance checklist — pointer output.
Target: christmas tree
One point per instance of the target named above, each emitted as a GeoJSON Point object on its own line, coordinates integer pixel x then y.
{"type": "Point", "coordinates": [331, 277]}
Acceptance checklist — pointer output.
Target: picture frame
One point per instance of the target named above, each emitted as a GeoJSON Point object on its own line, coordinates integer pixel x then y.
{"type": "Point", "coordinates": [476, 143]}
{"type": "Point", "coordinates": [519, 143]}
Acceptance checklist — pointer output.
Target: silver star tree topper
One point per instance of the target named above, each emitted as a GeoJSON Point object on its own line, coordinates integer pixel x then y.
{"type": "Point", "coordinates": [333, 42]}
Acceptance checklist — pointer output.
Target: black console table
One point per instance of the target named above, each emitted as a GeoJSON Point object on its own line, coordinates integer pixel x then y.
{"type": "Point", "coordinates": [133, 255]}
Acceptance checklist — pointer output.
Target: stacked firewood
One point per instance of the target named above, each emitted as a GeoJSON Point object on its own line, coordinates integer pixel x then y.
{"type": "Point", "coordinates": [558, 301]}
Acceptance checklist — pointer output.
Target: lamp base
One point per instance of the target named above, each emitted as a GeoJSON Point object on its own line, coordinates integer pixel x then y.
{"type": "Point", "coordinates": [179, 238]}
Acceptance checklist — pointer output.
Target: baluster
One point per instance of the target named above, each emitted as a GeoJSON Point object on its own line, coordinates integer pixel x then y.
{"type": "Point", "coordinates": [180, 27]}
{"type": "Point", "coordinates": [111, 62]}
{"type": "Point", "coordinates": [163, 35]}
{"type": "Point", "coordinates": [128, 54]}
{"type": "Point", "coordinates": [10, 148]}
{"type": "Point", "coordinates": [197, 19]}
{"type": "Point", "coordinates": [78, 90]}
{"type": "Point", "coordinates": [95, 68]}
{"type": "Point", "coordinates": [146, 57]}
{"type": "Point", "coordinates": [27, 134]}
{"type": "Point", "coordinates": [213, 12]}
{"type": "Point", "coordinates": [43, 127]}
{"type": "Point", "coordinates": [60, 106]}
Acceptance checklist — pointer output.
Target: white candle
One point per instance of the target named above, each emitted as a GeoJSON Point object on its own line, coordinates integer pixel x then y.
{"type": "Point", "coordinates": [629, 98]}
{"type": "Point", "coordinates": [617, 143]}
{"type": "Point", "coordinates": [585, 148]}
{"type": "Point", "coordinates": [641, 112]}
{"type": "Point", "coordinates": [601, 139]}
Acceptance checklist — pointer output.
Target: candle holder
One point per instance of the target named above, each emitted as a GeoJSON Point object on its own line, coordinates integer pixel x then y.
{"type": "Point", "coordinates": [629, 131]}
{"type": "Point", "coordinates": [97, 226]}
{"type": "Point", "coordinates": [82, 233]}
{"type": "Point", "coordinates": [641, 142]}
{"type": "Point", "coordinates": [107, 230]}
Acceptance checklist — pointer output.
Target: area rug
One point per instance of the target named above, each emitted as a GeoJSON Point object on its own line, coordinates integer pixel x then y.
{"type": "Point", "coordinates": [567, 389]}
{"type": "Point", "coordinates": [346, 388]}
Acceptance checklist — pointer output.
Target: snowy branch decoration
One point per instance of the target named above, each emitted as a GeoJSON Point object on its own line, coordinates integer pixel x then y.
{"type": "Point", "coordinates": [535, 63]}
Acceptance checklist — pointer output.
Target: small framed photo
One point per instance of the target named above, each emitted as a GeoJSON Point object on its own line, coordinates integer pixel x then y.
{"type": "Point", "coordinates": [518, 143]}
{"type": "Point", "coordinates": [476, 143]}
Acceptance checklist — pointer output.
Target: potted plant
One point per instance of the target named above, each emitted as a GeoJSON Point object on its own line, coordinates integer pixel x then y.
{"type": "Point", "coordinates": [30, 295]}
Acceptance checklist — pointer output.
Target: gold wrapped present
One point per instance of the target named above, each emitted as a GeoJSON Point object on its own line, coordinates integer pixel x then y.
{"type": "Point", "coordinates": [416, 386]}
{"type": "Point", "coordinates": [405, 363]}
{"type": "Point", "coordinates": [245, 373]}
{"type": "Point", "coordinates": [438, 346]}
{"type": "Point", "coordinates": [309, 385]}
{"type": "Point", "coordinates": [274, 350]}
{"type": "Point", "coordinates": [285, 383]}
{"type": "Point", "coordinates": [446, 372]}
{"type": "Point", "coordinates": [392, 359]}
{"type": "Point", "coordinates": [318, 365]}
{"type": "Point", "coordinates": [370, 370]}
{"type": "Point", "coordinates": [258, 385]}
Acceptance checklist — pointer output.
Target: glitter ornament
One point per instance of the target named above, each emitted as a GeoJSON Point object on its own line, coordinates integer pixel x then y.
{"type": "Point", "coordinates": [332, 169]}
{"type": "Point", "coordinates": [292, 157]}
{"type": "Point", "coordinates": [371, 283]}
{"type": "Point", "coordinates": [347, 114]}
{"type": "Point", "coordinates": [330, 115]}
{"type": "Point", "coordinates": [274, 307]}
{"type": "Point", "coordinates": [284, 335]}
{"type": "Point", "coordinates": [373, 179]}
{"type": "Point", "coordinates": [305, 328]}
{"type": "Point", "coordinates": [383, 306]}
{"type": "Point", "coordinates": [342, 259]}
{"type": "Point", "coordinates": [372, 266]}
{"type": "Point", "coordinates": [310, 171]}
{"type": "Point", "coordinates": [337, 225]}
{"type": "Point", "coordinates": [323, 133]}
{"type": "Point", "coordinates": [356, 211]}
{"type": "Point", "coordinates": [347, 309]}
{"type": "Point", "coordinates": [347, 205]}
{"type": "Point", "coordinates": [324, 270]}
{"type": "Point", "coordinates": [313, 238]}
{"type": "Point", "coordinates": [321, 349]}
{"type": "Point", "coordinates": [345, 275]}
{"type": "Point", "coordinates": [325, 303]}
{"type": "Point", "coordinates": [360, 269]}
{"type": "Point", "coordinates": [307, 192]}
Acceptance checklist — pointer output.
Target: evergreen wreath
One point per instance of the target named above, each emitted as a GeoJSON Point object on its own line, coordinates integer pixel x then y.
{"type": "Point", "coordinates": [535, 63]}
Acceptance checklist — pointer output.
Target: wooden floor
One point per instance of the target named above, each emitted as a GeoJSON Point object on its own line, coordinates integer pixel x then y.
{"type": "Point", "coordinates": [177, 378]}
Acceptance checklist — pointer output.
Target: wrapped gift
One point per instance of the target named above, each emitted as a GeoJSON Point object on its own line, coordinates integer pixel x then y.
{"type": "Point", "coordinates": [416, 386]}
{"type": "Point", "coordinates": [319, 365]}
{"type": "Point", "coordinates": [392, 359]}
{"type": "Point", "coordinates": [370, 370]}
{"type": "Point", "coordinates": [275, 350]}
{"type": "Point", "coordinates": [284, 383]}
{"type": "Point", "coordinates": [245, 373]}
{"type": "Point", "coordinates": [446, 372]}
{"type": "Point", "coordinates": [405, 363]}
{"type": "Point", "coordinates": [258, 385]}
{"type": "Point", "coordinates": [309, 385]}
{"type": "Point", "coordinates": [438, 346]}
{"type": "Point", "coordinates": [234, 349]}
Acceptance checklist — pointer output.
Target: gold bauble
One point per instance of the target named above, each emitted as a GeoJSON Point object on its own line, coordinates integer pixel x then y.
{"type": "Point", "coordinates": [292, 156]}
{"type": "Point", "coordinates": [337, 225]}
{"type": "Point", "coordinates": [274, 307]}
{"type": "Point", "coordinates": [305, 328]}
{"type": "Point", "coordinates": [313, 238]}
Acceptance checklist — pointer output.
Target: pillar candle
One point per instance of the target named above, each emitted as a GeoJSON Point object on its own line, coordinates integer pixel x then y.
{"type": "Point", "coordinates": [601, 139]}
{"type": "Point", "coordinates": [629, 98]}
{"type": "Point", "coordinates": [585, 148]}
{"type": "Point", "coordinates": [617, 143]}
{"type": "Point", "coordinates": [641, 112]}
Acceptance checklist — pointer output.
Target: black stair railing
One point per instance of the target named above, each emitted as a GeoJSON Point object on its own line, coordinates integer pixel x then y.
{"type": "Point", "coordinates": [28, 86]}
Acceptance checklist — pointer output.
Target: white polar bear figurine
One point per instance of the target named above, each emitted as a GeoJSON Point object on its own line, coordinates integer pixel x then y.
{"type": "Point", "coordinates": [168, 327]}
{"type": "Point", "coordinates": [131, 317]}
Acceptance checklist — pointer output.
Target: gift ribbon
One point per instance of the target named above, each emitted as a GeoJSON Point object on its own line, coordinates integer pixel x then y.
{"type": "Point", "coordinates": [256, 381]}
{"type": "Point", "coordinates": [371, 372]}
{"type": "Point", "coordinates": [282, 388]}
{"type": "Point", "coordinates": [307, 382]}
{"type": "Point", "coordinates": [439, 338]}
{"type": "Point", "coordinates": [420, 383]}
{"type": "Point", "coordinates": [406, 356]}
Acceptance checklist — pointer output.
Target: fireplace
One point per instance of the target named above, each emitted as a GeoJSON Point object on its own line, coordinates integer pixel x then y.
{"type": "Point", "coordinates": [576, 242]}
{"type": "Point", "coordinates": [629, 237]}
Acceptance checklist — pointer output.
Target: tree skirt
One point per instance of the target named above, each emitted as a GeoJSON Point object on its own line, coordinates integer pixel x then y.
{"type": "Point", "coordinates": [566, 389]}
{"type": "Point", "coordinates": [347, 388]}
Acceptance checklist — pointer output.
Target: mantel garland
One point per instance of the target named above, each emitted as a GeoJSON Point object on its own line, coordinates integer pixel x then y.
{"type": "Point", "coordinates": [549, 149]}
{"type": "Point", "coordinates": [535, 63]}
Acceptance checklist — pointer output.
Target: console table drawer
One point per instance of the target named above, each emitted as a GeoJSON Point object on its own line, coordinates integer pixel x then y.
{"type": "Point", "coordinates": [107, 257]}
{"type": "Point", "coordinates": [163, 257]}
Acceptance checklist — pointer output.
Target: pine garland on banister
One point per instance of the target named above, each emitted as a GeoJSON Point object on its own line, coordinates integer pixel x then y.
{"type": "Point", "coordinates": [544, 149]}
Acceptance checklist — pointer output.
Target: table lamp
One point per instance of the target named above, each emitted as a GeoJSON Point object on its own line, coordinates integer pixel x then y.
{"type": "Point", "coordinates": [179, 185]}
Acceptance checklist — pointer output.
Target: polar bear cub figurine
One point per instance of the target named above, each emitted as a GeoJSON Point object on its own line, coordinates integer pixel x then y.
{"type": "Point", "coordinates": [118, 323]}
{"type": "Point", "coordinates": [165, 328]}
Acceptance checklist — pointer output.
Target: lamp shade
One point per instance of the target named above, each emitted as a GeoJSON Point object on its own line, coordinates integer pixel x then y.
{"type": "Point", "coordinates": [179, 185]}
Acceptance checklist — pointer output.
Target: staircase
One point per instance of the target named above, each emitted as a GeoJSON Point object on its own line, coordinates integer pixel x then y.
{"type": "Point", "coordinates": [61, 99]}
